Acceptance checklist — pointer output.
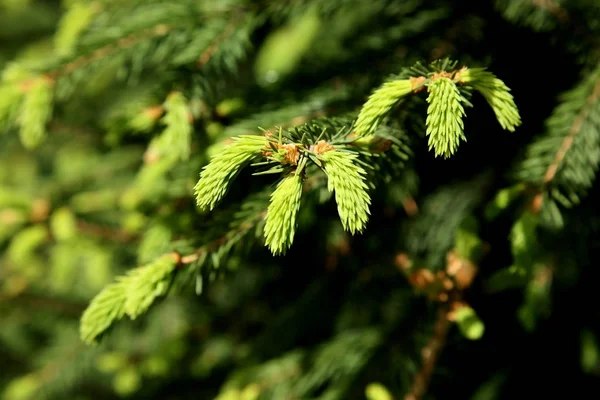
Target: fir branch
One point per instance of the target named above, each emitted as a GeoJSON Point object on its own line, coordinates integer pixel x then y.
{"type": "Point", "coordinates": [496, 93]}
{"type": "Point", "coordinates": [445, 127]}
{"type": "Point", "coordinates": [280, 224]}
{"type": "Point", "coordinates": [347, 179]}
{"type": "Point", "coordinates": [216, 177]}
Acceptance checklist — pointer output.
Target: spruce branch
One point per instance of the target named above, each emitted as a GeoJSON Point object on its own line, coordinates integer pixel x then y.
{"type": "Point", "coordinates": [539, 14]}
{"type": "Point", "coordinates": [232, 236]}
{"type": "Point", "coordinates": [444, 116]}
{"type": "Point", "coordinates": [131, 294]}
{"type": "Point", "coordinates": [107, 307]}
{"type": "Point", "coordinates": [78, 16]}
{"type": "Point", "coordinates": [176, 138]}
{"type": "Point", "coordinates": [496, 93]}
{"type": "Point", "coordinates": [216, 177]}
{"type": "Point", "coordinates": [380, 103]}
{"type": "Point", "coordinates": [148, 283]}
{"type": "Point", "coordinates": [347, 179]}
{"type": "Point", "coordinates": [565, 159]}
{"type": "Point", "coordinates": [280, 225]}
{"type": "Point", "coordinates": [213, 47]}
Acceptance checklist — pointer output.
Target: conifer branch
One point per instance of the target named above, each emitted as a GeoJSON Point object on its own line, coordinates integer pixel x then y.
{"type": "Point", "coordinates": [444, 116]}
{"type": "Point", "coordinates": [280, 226]}
{"type": "Point", "coordinates": [212, 48]}
{"type": "Point", "coordinates": [216, 177]}
{"type": "Point", "coordinates": [574, 130]}
{"type": "Point", "coordinates": [36, 112]}
{"type": "Point", "coordinates": [495, 92]}
{"type": "Point", "coordinates": [131, 294]}
{"type": "Point", "coordinates": [109, 49]}
{"type": "Point", "coordinates": [380, 103]}
{"type": "Point", "coordinates": [347, 179]}
{"type": "Point", "coordinates": [565, 159]}
{"type": "Point", "coordinates": [244, 227]}
{"type": "Point", "coordinates": [553, 7]}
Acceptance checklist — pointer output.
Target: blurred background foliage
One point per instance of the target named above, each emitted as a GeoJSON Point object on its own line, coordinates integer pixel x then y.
{"type": "Point", "coordinates": [475, 278]}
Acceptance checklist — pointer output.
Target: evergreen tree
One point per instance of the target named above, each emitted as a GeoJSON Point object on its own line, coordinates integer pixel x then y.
{"type": "Point", "coordinates": [299, 199]}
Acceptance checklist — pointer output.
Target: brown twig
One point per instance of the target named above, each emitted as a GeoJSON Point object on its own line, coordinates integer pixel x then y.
{"type": "Point", "coordinates": [36, 301]}
{"type": "Point", "coordinates": [104, 232]}
{"type": "Point", "coordinates": [573, 132]}
{"type": "Point", "coordinates": [214, 46]}
{"type": "Point", "coordinates": [190, 258]}
{"type": "Point", "coordinates": [430, 355]}
{"type": "Point", "coordinates": [445, 287]}
{"type": "Point", "coordinates": [553, 8]}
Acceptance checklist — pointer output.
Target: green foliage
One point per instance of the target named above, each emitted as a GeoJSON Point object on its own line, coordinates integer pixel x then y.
{"type": "Point", "coordinates": [127, 101]}
{"type": "Point", "coordinates": [347, 179]}
{"type": "Point", "coordinates": [130, 295]}
{"type": "Point", "coordinates": [469, 323]}
{"type": "Point", "coordinates": [444, 117]}
{"type": "Point", "coordinates": [376, 391]}
{"type": "Point", "coordinates": [147, 283]}
{"type": "Point", "coordinates": [565, 158]}
{"type": "Point", "coordinates": [590, 353]}
{"type": "Point", "coordinates": [107, 307]}
{"type": "Point", "coordinates": [280, 226]}
{"type": "Point", "coordinates": [218, 174]}
{"type": "Point", "coordinates": [36, 111]}
{"type": "Point", "coordinates": [379, 104]}
{"type": "Point", "coordinates": [277, 58]}
{"type": "Point", "coordinates": [496, 93]}
{"type": "Point", "coordinates": [10, 99]}
{"type": "Point", "coordinates": [176, 139]}
{"type": "Point", "coordinates": [78, 16]}
{"type": "Point", "coordinates": [539, 15]}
